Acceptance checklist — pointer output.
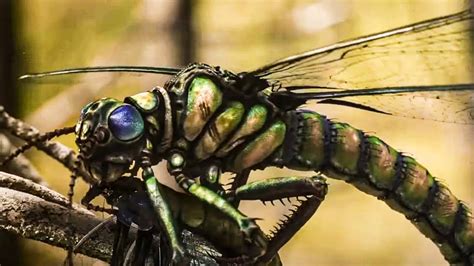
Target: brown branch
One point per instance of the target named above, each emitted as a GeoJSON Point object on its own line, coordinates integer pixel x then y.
{"type": "Point", "coordinates": [23, 185]}
{"type": "Point", "coordinates": [38, 213]}
{"type": "Point", "coordinates": [28, 133]}
{"type": "Point", "coordinates": [20, 165]}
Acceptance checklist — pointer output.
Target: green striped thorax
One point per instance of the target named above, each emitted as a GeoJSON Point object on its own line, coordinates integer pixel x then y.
{"type": "Point", "coordinates": [110, 135]}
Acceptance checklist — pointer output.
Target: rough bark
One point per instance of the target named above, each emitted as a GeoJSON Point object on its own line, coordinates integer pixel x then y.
{"type": "Point", "coordinates": [39, 213]}
{"type": "Point", "coordinates": [20, 165]}
{"type": "Point", "coordinates": [36, 212]}
{"type": "Point", "coordinates": [28, 133]}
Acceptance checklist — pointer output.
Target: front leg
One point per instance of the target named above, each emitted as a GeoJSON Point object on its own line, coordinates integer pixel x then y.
{"type": "Point", "coordinates": [120, 242]}
{"type": "Point", "coordinates": [91, 194]}
{"type": "Point", "coordinates": [163, 210]}
{"type": "Point", "coordinates": [239, 180]}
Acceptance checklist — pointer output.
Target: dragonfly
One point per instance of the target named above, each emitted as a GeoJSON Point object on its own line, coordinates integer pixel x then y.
{"type": "Point", "coordinates": [340, 74]}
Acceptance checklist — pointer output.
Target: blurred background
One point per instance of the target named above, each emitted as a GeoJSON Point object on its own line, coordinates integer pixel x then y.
{"type": "Point", "coordinates": [350, 228]}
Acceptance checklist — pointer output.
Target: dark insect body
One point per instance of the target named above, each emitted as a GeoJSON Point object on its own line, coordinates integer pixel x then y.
{"type": "Point", "coordinates": [206, 121]}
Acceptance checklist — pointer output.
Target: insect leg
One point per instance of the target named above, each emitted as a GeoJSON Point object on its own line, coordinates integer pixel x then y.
{"type": "Point", "coordinates": [211, 179]}
{"type": "Point", "coordinates": [94, 230]}
{"type": "Point", "coordinates": [142, 247]}
{"type": "Point", "coordinates": [91, 194]}
{"type": "Point", "coordinates": [239, 180]}
{"type": "Point", "coordinates": [119, 246]}
{"type": "Point", "coordinates": [164, 213]}
{"type": "Point", "coordinates": [313, 189]}
{"type": "Point", "coordinates": [247, 225]}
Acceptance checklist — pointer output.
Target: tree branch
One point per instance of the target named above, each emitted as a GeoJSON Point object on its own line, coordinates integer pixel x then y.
{"type": "Point", "coordinates": [20, 165]}
{"type": "Point", "coordinates": [39, 213]}
{"type": "Point", "coordinates": [35, 212]}
{"type": "Point", "coordinates": [56, 150]}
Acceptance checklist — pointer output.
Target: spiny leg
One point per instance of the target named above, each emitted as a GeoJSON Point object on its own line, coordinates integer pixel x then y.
{"type": "Point", "coordinates": [313, 189]}
{"type": "Point", "coordinates": [93, 192]}
{"type": "Point", "coordinates": [129, 256]}
{"type": "Point", "coordinates": [239, 180]}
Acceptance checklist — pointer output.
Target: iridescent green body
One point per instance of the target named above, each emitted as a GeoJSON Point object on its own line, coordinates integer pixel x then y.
{"type": "Point", "coordinates": [260, 148]}
{"type": "Point", "coordinates": [203, 100]}
{"type": "Point", "coordinates": [254, 121]}
{"type": "Point", "coordinates": [378, 169]}
{"type": "Point", "coordinates": [263, 136]}
{"type": "Point", "coordinates": [219, 130]}
{"type": "Point", "coordinates": [205, 122]}
{"type": "Point", "coordinates": [203, 129]}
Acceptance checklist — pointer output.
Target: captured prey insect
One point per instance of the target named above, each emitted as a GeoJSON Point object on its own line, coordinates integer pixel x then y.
{"type": "Point", "coordinates": [128, 196]}
{"type": "Point", "coordinates": [206, 120]}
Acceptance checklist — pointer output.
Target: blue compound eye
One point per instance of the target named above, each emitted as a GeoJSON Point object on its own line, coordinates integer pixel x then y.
{"type": "Point", "coordinates": [126, 123]}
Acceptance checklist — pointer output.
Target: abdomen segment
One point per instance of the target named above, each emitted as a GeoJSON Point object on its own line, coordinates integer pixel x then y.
{"type": "Point", "coordinates": [343, 152]}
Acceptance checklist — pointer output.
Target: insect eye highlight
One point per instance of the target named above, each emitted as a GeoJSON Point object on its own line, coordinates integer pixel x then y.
{"type": "Point", "coordinates": [126, 123]}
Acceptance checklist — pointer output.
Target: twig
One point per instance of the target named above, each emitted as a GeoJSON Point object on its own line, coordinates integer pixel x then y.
{"type": "Point", "coordinates": [20, 165]}
{"type": "Point", "coordinates": [41, 217]}
{"type": "Point", "coordinates": [35, 212]}
{"type": "Point", "coordinates": [56, 150]}
{"type": "Point", "coordinates": [23, 185]}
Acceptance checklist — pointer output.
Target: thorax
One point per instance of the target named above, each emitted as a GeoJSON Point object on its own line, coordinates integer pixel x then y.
{"type": "Point", "coordinates": [213, 120]}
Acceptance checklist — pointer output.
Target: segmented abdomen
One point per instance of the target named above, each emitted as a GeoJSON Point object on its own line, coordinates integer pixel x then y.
{"type": "Point", "coordinates": [340, 151]}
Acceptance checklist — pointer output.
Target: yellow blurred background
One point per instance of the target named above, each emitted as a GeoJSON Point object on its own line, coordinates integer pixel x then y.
{"type": "Point", "coordinates": [350, 228]}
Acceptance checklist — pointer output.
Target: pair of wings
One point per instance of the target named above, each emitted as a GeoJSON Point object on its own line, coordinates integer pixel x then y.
{"type": "Point", "coordinates": [424, 70]}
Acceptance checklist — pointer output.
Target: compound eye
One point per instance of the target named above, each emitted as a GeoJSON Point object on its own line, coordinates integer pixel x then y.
{"type": "Point", "coordinates": [126, 123]}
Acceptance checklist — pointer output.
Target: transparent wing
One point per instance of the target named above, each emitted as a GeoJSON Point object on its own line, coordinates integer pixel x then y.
{"type": "Point", "coordinates": [446, 103]}
{"type": "Point", "coordinates": [433, 52]}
